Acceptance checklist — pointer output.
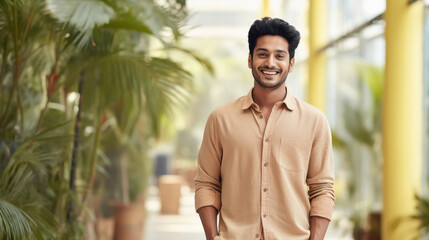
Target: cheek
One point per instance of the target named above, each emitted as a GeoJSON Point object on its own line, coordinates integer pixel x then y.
{"type": "Point", "coordinates": [253, 65]}
{"type": "Point", "coordinates": [286, 67]}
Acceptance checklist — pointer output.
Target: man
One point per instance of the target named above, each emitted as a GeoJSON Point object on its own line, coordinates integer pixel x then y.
{"type": "Point", "coordinates": [265, 163]}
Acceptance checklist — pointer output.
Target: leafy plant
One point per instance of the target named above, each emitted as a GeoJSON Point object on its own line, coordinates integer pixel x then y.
{"type": "Point", "coordinates": [422, 213]}
{"type": "Point", "coordinates": [88, 64]}
{"type": "Point", "coordinates": [420, 219]}
{"type": "Point", "coordinates": [25, 191]}
{"type": "Point", "coordinates": [362, 125]}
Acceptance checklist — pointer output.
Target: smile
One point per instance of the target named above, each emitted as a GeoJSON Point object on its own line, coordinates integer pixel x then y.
{"type": "Point", "coordinates": [269, 72]}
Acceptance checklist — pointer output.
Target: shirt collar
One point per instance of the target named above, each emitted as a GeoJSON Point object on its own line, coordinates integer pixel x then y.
{"type": "Point", "coordinates": [288, 101]}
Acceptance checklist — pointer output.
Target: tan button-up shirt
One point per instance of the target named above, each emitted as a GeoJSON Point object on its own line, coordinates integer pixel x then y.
{"type": "Point", "coordinates": [266, 178]}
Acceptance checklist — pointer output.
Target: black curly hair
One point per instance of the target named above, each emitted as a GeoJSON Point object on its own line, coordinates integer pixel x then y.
{"type": "Point", "coordinates": [273, 26]}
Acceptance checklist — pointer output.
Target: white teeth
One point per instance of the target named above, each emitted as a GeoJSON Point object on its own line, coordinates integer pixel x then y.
{"type": "Point", "coordinates": [270, 73]}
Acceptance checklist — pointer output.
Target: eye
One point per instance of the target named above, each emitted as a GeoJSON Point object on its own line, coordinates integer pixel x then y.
{"type": "Point", "coordinates": [280, 56]}
{"type": "Point", "coordinates": [262, 54]}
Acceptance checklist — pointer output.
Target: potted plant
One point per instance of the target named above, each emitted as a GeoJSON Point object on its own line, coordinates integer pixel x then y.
{"type": "Point", "coordinates": [65, 66]}
{"type": "Point", "coordinates": [362, 126]}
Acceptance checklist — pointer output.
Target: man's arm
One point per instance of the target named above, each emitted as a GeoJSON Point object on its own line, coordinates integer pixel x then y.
{"type": "Point", "coordinates": [320, 180]}
{"type": "Point", "coordinates": [208, 185]}
{"type": "Point", "coordinates": [318, 227]}
{"type": "Point", "coordinates": [208, 216]}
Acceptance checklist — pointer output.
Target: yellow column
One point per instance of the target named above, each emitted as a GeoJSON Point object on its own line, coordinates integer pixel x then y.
{"type": "Point", "coordinates": [316, 85]}
{"type": "Point", "coordinates": [402, 116]}
{"type": "Point", "coordinates": [265, 8]}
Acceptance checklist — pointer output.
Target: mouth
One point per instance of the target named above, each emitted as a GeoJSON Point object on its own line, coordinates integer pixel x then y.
{"type": "Point", "coordinates": [270, 73]}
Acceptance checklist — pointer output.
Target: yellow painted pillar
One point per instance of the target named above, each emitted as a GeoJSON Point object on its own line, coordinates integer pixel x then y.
{"type": "Point", "coordinates": [265, 12]}
{"type": "Point", "coordinates": [402, 116]}
{"type": "Point", "coordinates": [316, 85]}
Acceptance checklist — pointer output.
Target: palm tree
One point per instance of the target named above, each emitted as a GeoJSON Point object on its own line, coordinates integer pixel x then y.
{"type": "Point", "coordinates": [89, 55]}
{"type": "Point", "coordinates": [27, 156]}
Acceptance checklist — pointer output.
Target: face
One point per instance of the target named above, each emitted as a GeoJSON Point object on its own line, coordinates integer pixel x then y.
{"type": "Point", "coordinates": [270, 64]}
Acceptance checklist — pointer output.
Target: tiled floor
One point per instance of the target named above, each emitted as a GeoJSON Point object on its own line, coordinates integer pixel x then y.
{"type": "Point", "coordinates": [186, 225]}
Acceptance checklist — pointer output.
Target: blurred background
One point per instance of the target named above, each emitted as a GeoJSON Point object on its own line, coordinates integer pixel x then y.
{"type": "Point", "coordinates": [103, 105]}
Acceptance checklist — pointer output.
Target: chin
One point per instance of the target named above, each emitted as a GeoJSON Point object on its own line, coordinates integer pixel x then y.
{"type": "Point", "coordinates": [269, 85]}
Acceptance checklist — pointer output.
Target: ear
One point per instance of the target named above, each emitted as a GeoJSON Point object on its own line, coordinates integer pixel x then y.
{"type": "Point", "coordinates": [291, 64]}
{"type": "Point", "coordinates": [249, 61]}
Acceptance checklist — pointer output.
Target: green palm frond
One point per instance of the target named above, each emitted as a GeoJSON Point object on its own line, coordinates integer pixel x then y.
{"type": "Point", "coordinates": [167, 85]}
{"type": "Point", "coordinates": [14, 222]}
{"type": "Point", "coordinates": [23, 32]}
{"type": "Point", "coordinates": [29, 160]}
{"type": "Point", "coordinates": [158, 17]}
{"type": "Point", "coordinates": [422, 213]}
{"type": "Point", "coordinates": [132, 78]}
{"type": "Point", "coordinates": [128, 22]}
{"type": "Point", "coordinates": [84, 15]}
{"type": "Point", "coordinates": [421, 217]}
{"type": "Point", "coordinates": [201, 60]}
{"type": "Point", "coordinates": [101, 42]}
{"type": "Point", "coordinates": [20, 21]}
{"type": "Point", "coordinates": [22, 219]}
{"type": "Point", "coordinates": [24, 184]}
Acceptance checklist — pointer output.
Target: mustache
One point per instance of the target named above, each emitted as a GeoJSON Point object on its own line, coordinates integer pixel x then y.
{"type": "Point", "coordinates": [270, 68]}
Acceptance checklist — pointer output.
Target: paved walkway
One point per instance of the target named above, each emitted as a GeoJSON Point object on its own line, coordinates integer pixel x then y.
{"type": "Point", "coordinates": [186, 225]}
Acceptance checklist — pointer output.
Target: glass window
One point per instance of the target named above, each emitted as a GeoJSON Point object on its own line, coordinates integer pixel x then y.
{"type": "Point", "coordinates": [353, 108]}
{"type": "Point", "coordinates": [344, 15]}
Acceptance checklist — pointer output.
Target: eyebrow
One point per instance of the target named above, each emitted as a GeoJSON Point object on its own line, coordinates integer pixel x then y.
{"type": "Point", "coordinates": [266, 50]}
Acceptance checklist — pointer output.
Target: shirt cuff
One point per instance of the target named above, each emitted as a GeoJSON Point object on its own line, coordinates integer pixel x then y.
{"type": "Point", "coordinates": [207, 197]}
{"type": "Point", "coordinates": [322, 207]}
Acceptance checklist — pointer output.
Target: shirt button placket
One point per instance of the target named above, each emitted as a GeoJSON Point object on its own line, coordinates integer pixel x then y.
{"type": "Point", "coordinates": [264, 185]}
{"type": "Point", "coordinates": [265, 173]}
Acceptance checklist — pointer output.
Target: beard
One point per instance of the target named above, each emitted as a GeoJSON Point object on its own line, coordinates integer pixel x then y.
{"type": "Point", "coordinates": [274, 84]}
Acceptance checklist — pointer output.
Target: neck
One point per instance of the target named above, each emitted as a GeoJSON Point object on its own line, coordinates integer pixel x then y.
{"type": "Point", "coordinates": [267, 97]}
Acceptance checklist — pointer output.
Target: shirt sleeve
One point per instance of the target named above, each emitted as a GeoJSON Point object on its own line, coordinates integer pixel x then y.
{"type": "Point", "coordinates": [208, 178]}
{"type": "Point", "coordinates": [320, 178]}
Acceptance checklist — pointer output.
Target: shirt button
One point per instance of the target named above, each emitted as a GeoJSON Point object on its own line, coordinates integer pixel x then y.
{"type": "Point", "coordinates": [260, 116]}
{"type": "Point", "coordinates": [257, 235]}
{"type": "Point", "coordinates": [265, 189]}
{"type": "Point", "coordinates": [266, 139]}
{"type": "Point", "coordinates": [264, 215]}
{"type": "Point", "coordinates": [265, 164]}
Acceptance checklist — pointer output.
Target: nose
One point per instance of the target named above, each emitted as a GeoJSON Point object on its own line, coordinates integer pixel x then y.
{"type": "Point", "coordinates": [270, 61]}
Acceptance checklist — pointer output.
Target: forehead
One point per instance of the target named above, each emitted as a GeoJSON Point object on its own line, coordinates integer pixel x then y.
{"type": "Point", "coordinates": [272, 43]}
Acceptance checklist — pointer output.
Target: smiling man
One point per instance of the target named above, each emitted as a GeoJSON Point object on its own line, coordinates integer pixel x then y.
{"type": "Point", "coordinates": [265, 163]}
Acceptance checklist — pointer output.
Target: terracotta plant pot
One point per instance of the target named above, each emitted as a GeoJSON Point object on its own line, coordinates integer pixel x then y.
{"type": "Point", "coordinates": [372, 231]}
{"type": "Point", "coordinates": [129, 221]}
{"type": "Point", "coordinates": [169, 192]}
{"type": "Point", "coordinates": [105, 228]}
